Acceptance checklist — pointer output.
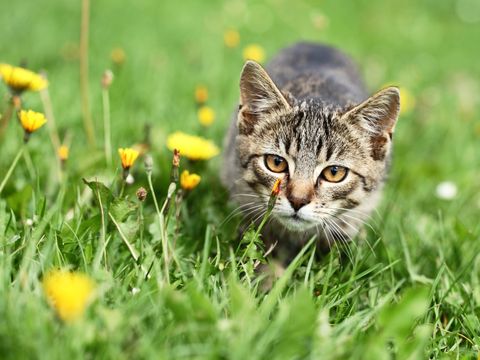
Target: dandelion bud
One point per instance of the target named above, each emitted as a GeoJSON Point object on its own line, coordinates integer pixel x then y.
{"type": "Point", "coordinates": [148, 163]}
{"type": "Point", "coordinates": [141, 194]}
{"type": "Point", "coordinates": [201, 94]}
{"type": "Point", "coordinates": [171, 189]}
{"type": "Point", "coordinates": [175, 165]}
{"type": "Point", "coordinates": [274, 194]}
{"type": "Point", "coordinates": [107, 79]}
{"type": "Point", "coordinates": [276, 187]}
{"type": "Point", "coordinates": [176, 158]}
{"type": "Point", "coordinates": [129, 179]}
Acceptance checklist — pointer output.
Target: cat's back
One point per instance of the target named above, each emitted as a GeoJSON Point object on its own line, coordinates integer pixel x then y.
{"type": "Point", "coordinates": [308, 70]}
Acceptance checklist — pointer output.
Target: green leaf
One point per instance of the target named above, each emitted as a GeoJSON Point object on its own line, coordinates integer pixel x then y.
{"type": "Point", "coordinates": [121, 208]}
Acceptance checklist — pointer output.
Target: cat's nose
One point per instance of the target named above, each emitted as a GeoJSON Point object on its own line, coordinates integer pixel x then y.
{"type": "Point", "coordinates": [298, 202]}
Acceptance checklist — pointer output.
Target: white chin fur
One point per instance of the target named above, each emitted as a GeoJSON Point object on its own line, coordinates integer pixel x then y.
{"type": "Point", "coordinates": [295, 224]}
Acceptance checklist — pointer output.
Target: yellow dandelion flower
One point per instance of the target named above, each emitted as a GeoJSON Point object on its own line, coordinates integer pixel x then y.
{"type": "Point", "coordinates": [231, 38]}
{"type": "Point", "coordinates": [201, 94]}
{"type": "Point", "coordinates": [19, 79]}
{"type": "Point", "coordinates": [69, 293]}
{"type": "Point", "coordinates": [118, 56]}
{"type": "Point", "coordinates": [254, 52]}
{"type": "Point", "coordinates": [206, 115]}
{"type": "Point", "coordinates": [189, 181]}
{"type": "Point", "coordinates": [31, 120]}
{"type": "Point", "coordinates": [407, 101]}
{"type": "Point", "coordinates": [128, 157]}
{"type": "Point", "coordinates": [192, 147]}
{"type": "Point", "coordinates": [63, 152]}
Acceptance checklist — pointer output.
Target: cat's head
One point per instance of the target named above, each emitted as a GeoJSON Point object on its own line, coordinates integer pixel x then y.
{"type": "Point", "coordinates": [329, 159]}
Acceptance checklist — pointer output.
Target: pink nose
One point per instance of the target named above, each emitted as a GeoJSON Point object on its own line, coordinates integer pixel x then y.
{"type": "Point", "coordinates": [297, 202]}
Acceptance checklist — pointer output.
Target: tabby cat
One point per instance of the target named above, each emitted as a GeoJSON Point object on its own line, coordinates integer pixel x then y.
{"type": "Point", "coordinates": [308, 121]}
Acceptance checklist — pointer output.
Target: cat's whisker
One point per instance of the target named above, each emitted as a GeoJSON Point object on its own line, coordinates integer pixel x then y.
{"type": "Point", "coordinates": [238, 210]}
{"type": "Point", "coordinates": [342, 239]}
{"type": "Point", "coordinates": [355, 229]}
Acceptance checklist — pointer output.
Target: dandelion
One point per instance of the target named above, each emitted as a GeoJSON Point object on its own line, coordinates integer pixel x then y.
{"type": "Point", "coordinates": [175, 166]}
{"type": "Point", "coordinates": [19, 79]}
{"type": "Point", "coordinates": [407, 101]}
{"type": "Point", "coordinates": [31, 121]}
{"type": "Point", "coordinates": [201, 94]}
{"type": "Point", "coordinates": [231, 38]}
{"type": "Point", "coordinates": [128, 157]}
{"type": "Point", "coordinates": [206, 115]}
{"type": "Point", "coordinates": [63, 152]}
{"type": "Point", "coordinates": [274, 194]}
{"type": "Point", "coordinates": [135, 291]}
{"type": "Point", "coordinates": [192, 147]}
{"type": "Point", "coordinates": [118, 55]}
{"type": "Point", "coordinates": [446, 190]}
{"type": "Point", "coordinates": [254, 52]}
{"type": "Point", "coordinates": [107, 79]}
{"type": "Point", "coordinates": [69, 293]}
{"type": "Point", "coordinates": [189, 181]}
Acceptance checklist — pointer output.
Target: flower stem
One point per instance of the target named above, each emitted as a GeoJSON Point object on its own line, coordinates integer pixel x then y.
{"type": "Point", "coordinates": [12, 167]}
{"type": "Point", "coordinates": [52, 128]}
{"type": "Point", "coordinates": [87, 116]}
{"type": "Point", "coordinates": [106, 126]}
{"type": "Point", "coordinates": [6, 118]}
{"type": "Point", "coordinates": [161, 223]}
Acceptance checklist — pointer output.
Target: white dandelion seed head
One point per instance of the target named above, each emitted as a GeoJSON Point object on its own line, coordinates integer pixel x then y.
{"type": "Point", "coordinates": [446, 190]}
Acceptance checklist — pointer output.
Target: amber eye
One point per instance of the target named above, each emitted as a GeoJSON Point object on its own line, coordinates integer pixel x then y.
{"type": "Point", "coordinates": [276, 163]}
{"type": "Point", "coordinates": [334, 173]}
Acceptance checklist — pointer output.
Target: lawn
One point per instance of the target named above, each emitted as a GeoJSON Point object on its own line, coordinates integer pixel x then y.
{"type": "Point", "coordinates": [179, 283]}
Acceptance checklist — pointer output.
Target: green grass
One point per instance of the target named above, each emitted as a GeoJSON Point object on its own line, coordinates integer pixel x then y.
{"type": "Point", "coordinates": [413, 292]}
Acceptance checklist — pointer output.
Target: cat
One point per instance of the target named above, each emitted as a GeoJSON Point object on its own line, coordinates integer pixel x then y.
{"type": "Point", "coordinates": [307, 120]}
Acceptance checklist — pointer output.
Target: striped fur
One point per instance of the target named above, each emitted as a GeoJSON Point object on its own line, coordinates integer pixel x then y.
{"type": "Point", "coordinates": [310, 107]}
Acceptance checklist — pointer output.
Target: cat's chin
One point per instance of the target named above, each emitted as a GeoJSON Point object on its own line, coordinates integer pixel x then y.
{"type": "Point", "coordinates": [295, 223]}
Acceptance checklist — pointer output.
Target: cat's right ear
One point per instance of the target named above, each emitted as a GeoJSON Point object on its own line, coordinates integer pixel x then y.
{"type": "Point", "coordinates": [259, 96]}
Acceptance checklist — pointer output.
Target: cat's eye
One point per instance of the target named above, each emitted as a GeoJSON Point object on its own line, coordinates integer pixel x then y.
{"type": "Point", "coordinates": [276, 163]}
{"type": "Point", "coordinates": [334, 173]}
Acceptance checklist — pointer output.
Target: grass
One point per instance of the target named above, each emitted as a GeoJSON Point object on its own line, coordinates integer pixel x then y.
{"type": "Point", "coordinates": [410, 289]}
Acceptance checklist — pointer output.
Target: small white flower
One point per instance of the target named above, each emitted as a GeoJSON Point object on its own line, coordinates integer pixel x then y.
{"type": "Point", "coordinates": [135, 291]}
{"type": "Point", "coordinates": [130, 179]}
{"type": "Point", "coordinates": [446, 190]}
{"type": "Point", "coordinates": [29, 222]}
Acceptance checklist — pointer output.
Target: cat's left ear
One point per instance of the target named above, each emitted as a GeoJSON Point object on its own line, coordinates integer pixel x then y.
{"type": "Point", "coordinates": [259, 96]}
{"type": "Point", "coordinates": [378, 114]}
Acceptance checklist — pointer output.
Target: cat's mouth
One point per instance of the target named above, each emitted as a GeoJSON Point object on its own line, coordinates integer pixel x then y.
{"type": "Point", "coordinates": [295, 222]}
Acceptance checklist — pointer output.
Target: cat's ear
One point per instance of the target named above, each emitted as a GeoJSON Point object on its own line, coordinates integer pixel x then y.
{"type": "Point", "coordinates": [259, 96]}
{"type": "Point", "coordinates": [378, 114]}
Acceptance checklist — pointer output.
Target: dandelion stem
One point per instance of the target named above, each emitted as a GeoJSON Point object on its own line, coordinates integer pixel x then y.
{"type": "Point", "coordinates": [102, 245]}
{"type": "Point", "coordinates": [130, 247]}
{"type": "Point", "coordinates": [161, 223]}
{"type": "Point", "coordinates": [6, 117]}
{"type": "Point", "coordinates": [51, 124]}
{"type": "Point", "coordinates": [106, 126]}
{"type": "Point", "coordinates": [52, 128]}
{"type": "Point", "coordinates": [11, 168]}
{"type": "Point", "coordinates": [29, 163]}
{"type": "Point", "coordinates": [87, 116]}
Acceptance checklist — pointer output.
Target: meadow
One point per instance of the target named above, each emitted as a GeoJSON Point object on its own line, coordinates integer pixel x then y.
{"type": "Point", "coordinates": [91, 269]}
